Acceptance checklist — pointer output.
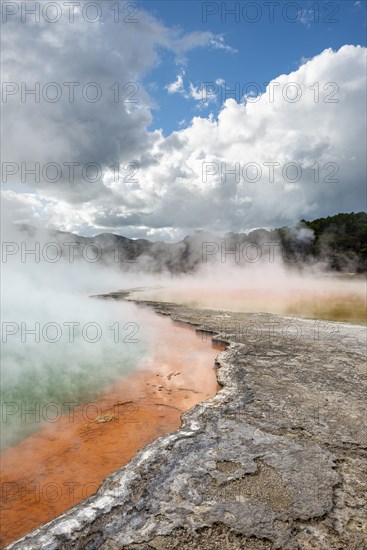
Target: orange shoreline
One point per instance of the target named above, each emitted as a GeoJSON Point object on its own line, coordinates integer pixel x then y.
{"type": "Point", "coordinates": [65, 462]}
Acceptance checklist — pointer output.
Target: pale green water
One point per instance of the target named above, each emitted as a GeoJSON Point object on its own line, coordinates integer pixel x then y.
{"type": "Point", "coordinates": [42, 380]}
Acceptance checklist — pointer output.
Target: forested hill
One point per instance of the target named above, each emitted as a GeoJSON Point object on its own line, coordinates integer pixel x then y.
{"type": "Point", "coordinates": [337, 242]}
{"type": "Point", "coordinates": [343, 237]}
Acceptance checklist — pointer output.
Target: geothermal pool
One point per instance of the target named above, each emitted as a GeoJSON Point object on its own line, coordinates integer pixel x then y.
{"type": "Point", "coordinates": [65, 461]}
{"type": "Point", "coordinates": [129, 388]}
{"type": "Point", "coordinates": [331, 297]}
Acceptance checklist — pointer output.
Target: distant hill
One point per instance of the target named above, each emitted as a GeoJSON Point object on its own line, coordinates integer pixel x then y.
{"type": "Point", "coordinates": [338, 243]}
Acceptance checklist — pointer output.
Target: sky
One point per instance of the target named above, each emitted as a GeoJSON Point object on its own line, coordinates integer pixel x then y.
{"type": "Point", "coordinates": [156, 119]}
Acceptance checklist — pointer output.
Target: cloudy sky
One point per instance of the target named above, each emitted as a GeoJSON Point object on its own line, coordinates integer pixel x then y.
{"type": "Point", "coordinates": [155, 119]}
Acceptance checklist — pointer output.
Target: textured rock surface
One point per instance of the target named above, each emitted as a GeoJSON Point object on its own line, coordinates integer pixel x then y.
{"type": "Point", "coordinates": [277, 459]}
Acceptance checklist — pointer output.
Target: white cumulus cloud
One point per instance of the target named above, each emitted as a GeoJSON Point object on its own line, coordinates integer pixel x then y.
{"type": "Point", "coordinates": [231, 172]}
